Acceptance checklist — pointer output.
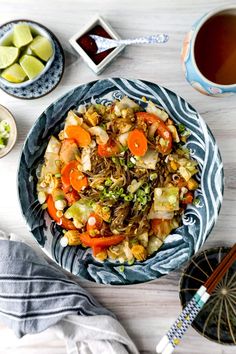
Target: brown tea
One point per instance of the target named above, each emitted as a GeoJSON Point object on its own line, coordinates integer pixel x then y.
{"type": "Point", "coordinates": [215, 49]}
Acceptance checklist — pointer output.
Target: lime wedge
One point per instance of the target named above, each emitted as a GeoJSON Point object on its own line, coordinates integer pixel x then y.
{"type": "Point", "coordinates": [31, 65]}
{"type": "Point", "coordinates": [21, 35]}
{"type": "Point", "coordinates": [8, 56]}
{"type": "Point", "coordinates": [14, 73]}
{"type": "Point", "coordinates": [41, 47]}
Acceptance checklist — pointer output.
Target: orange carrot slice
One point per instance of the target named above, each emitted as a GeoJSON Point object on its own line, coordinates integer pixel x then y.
{"type": "Point", "coordinates": [65, 174]}
{"type": "Point", "coordinates": [52, 211]}
{"type": "Point", "coordinates": [94, 224]}
{"type": "Point", "coordinates": [111, 148]}
{"type": "Point", "coordinates": [103, 241]}
{"type": "Point", "coordinates": [137, 142]}
{"type": "Point", "coordinates": [78, 133]}
{"type": "Point", "coordinates": [72, 197]}
{"type": "Point", "coordinates": [78, 180]}
{"type": "Point", "coordinates": [162, 130]}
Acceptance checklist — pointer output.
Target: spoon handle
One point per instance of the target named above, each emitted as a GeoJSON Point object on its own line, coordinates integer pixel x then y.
{"type": "Point", "coordinates": [106, 43]}
{"type": "Point", "coordinates": [154, 39]}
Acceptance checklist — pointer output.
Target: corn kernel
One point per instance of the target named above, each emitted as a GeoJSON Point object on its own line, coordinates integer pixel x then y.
{"type": "Point", "coordinates": [73, 237]}
{"type": "Point", "coordinates": [139, 252]}
{"type": "Point", "coordinates": [173, 165]}
{"type": "Point", "coordinates": [101, 256]}
{"type": "Point", "coordinates": [192, 184]}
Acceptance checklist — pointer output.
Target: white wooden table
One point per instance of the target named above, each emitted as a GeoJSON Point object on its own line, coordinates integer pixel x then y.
{"type": "Point", "coordinates": [145, 310]}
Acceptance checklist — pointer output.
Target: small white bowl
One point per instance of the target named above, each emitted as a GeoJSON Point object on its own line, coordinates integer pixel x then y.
{"type": "Point", "coordinates": [5, 114]}
{"type": "Point", "coordinates": [96, 20]}
{"type": "Point", "coordinates": [36, 30]}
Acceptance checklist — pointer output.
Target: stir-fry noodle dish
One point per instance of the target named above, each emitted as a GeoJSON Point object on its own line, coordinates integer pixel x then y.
{"type": "Point", "coordinates": [117, 179]}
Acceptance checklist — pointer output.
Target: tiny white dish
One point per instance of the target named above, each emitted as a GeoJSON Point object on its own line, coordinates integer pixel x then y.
{"type": "Point", "coordinates": [96, 20]}
{"type": "Point", "coordinates": [6, 115]}
{"type": "Point", "coordinates": [36, 29]}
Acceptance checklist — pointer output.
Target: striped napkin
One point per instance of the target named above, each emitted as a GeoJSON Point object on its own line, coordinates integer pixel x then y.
{"type": "Point", "coordinates": [35, 295]}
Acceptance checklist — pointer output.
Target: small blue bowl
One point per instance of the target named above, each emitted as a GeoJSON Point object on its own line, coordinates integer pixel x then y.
{"type": "Point", "coordinates": [52, 73]}
{"type": "Point", "coordinates": [197, 221]}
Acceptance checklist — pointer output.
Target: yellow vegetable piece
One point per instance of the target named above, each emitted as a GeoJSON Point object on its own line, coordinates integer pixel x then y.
{"type": "Point", "coordinates": [14, 74]}
{"type": "Point", "coordinates": [139, 252]}
{"type": "Point", "coordinates": [21, 35]}
{"type": "Point", "coordinates": [192, 184]}
{"type": "Point", "coordinates": [31, 65]}
{"type": "Point", "coordinates": [8, 56]}
{"type": "Point", "coordinates": [166, 199]}
{"type": "Point", "coordinates": [73, 237]}
{"type": "Point", "coordinates": [42, 47]}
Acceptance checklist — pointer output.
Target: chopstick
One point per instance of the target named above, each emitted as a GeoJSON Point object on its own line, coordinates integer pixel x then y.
{"type": "Point", "coordinates": [168, 343]}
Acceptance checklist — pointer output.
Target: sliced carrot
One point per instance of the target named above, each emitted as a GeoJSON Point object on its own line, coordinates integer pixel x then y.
{"type": "Point", "coordinates": [52, 211]}
{"type": "Point", "coordinates": [111, 148]}
{"type": "Point", "coordinates": [65, 174]}
{"type": "Point", "coordinates": [188, 198]}
{"type": "Point", "coordinates": [97, 250]}
{"type": "Point", "coordinates": [72, 197]}
{"type": "Point", "coordinates": [181, 182]}
{"type": "Point", "coordinates": [78, 180]}
{"type": "Point", "coordinates": [103, 241]}
{"type": "Point", "coordinates": [137, 142]}
{"type": "Point", "coordinates": [162, 130]}
{"type": "Point", "coordinates": [94, 224]}
{"type": "Point", "coordinates": [78, 133]}
{"type": "Point", "coordinates": [155, 224]}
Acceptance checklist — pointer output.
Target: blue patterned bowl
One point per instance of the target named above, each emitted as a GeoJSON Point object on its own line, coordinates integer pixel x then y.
{"type": "Point", "coordinates": [197, 221]}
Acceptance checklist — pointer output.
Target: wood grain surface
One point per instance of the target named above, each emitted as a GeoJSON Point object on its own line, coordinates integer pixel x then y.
{"type": "Point", "coordinates": [147, 310]}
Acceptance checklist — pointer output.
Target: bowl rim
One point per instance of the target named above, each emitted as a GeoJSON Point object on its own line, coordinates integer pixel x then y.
{"type": "Point", "coordinates": [9, 147]}
{"type": "Point", "coordinates": [39, 28]}
{"type": "Point", "coordinates": [134, 80]}
{"type": "Point", "coordinates": [196, 29]}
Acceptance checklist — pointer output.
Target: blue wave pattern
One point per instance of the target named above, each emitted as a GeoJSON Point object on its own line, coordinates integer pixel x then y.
{"type": "Point", "coordinates": [198, 220]}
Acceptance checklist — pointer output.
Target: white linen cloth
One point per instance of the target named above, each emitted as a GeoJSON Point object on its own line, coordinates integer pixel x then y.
{"type": "Point", "coordinates": [38, 301]}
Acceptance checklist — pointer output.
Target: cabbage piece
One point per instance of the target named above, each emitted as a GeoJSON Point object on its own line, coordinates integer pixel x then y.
{"type": "Point", "coordinates": [73, 119]}
{"type": "Point", "coordinates": [125, 102]}
{"type": "Point", "coordinates": [153, 245]}
{"type": "Point", "coordinates": [152, 108]}
{"type": "Point", "coordinates": [166, 199]}
{"type": "Point", "coordinates": [174, 133]}
{"type": "Point", "coordinates": [51, 157]}
{"type": "Point", "coordinates": [86, 159]}
{"type": "Point", "coordinates": [123, 138]}
{"type": "Point", "coordinates": [143, 239]}
{"type": "Point", "coordinates": [187, 168]}
{"type": "Point", "coordinates": [160, 214]}
{"type": "Point", "coordinates": [51, 165]}
{"type": "Point", "coordinates": [81, 109]}
{"type": "Point", "coordinates": [54, 146]}
{"type": "Point", "coordinates": [163, 229]}
{"type": "Point", "coordinates": [101, 134]}
{"type": "Point", "coordinates": [80, 210]}
{"type": "Point", "coordinates": [121, 252]}
{"type": "Point", "coordinates": [149, 160]}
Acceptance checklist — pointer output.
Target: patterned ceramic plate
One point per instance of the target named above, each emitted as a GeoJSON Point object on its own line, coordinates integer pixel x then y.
{"type": "Point", "coordinates": [217, 319]}
{"type": "Point", "coordinates": [48, 81]}
{"type": "Point", "coordinates": [198, 219]}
